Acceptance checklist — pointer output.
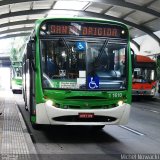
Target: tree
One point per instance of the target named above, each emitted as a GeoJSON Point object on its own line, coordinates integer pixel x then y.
{"type": "Point", "coordinates": [17, 49]}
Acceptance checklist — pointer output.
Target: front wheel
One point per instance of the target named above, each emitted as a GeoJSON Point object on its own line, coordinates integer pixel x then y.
{"type": "Point", "coordinates": [26, 108]}
{"type": "Point", "coordinates": [36, 126]}
{"type": "Point", "coordinates": [98, 127]}
{"type": "Point", "coordinates": [25, 103]}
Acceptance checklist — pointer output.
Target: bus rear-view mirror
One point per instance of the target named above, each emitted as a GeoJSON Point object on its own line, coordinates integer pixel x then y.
{"type": "Point", "coordinates": [133, 59]}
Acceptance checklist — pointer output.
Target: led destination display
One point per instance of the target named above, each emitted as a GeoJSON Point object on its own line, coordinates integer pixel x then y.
{"type": "Point", "coordinates": [86, 29]}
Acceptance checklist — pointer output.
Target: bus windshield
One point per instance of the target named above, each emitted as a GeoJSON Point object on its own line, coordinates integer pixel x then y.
{"type": "Point", "coordinates": [98, 64]}
{"type": "Point", "coordinates": [143, 75]}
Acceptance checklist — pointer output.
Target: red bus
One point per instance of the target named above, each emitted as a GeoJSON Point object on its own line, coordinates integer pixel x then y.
{"type": "Point", "coordinates": [144, 76]}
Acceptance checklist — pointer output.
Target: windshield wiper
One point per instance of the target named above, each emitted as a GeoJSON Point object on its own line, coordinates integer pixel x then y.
{"type": "Point", "coordinates": [101, 51]}
{"type": "Point", "coordinates": [65, 43]}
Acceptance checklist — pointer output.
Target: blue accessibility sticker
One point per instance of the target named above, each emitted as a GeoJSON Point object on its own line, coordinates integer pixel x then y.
{"type": "Point", "coordinates": [81, 46]}
{"type": "Point", "coordinates": [93, 82]}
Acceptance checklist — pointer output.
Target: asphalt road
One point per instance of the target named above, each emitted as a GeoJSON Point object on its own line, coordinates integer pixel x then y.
{"type": "Point", "coordinates": [140, 137]}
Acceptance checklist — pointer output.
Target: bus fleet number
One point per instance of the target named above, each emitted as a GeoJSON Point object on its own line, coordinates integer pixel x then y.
{"type": "Point", "coordinates": [116, 95]}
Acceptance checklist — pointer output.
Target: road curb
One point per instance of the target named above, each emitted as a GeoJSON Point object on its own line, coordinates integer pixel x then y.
{"type": "Point", "coordinates": [31, 147]}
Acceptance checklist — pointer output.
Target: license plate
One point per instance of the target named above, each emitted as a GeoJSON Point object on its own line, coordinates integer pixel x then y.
{"type": "Point", "coordinates": [86, 115]}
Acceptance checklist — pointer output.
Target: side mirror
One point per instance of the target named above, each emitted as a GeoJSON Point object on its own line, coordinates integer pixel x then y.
{"type": "Point", "coordinates": [30, 50]}
{"type": "Point", "coordinates": [30, 53]}
{"type": "Point", "coordinates": [133, 58]}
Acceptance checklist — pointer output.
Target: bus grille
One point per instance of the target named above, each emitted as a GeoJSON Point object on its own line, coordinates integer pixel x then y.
{"type": "Point", "coordinates": [86, 97]}
{"type": "Point", "coordinates": [75, 118]}
{"type": "Point", "coordinates": [86, 107]}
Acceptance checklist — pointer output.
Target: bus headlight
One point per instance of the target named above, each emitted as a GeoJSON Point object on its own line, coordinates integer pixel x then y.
{"type": "Point", "coordinates": [49, 103]}
{"type": "Point", "coordinates": [120, 103]}
{"type": "Point", "coordinates": [152, 91]}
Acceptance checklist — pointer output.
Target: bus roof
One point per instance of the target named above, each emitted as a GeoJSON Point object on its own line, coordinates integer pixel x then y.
{"type": "Point", "coordinates": [39, 21]}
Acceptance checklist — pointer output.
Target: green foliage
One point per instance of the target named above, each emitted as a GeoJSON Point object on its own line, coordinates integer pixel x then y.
{"type": "Point", "coordinates": [17, 49]}
{"type": "Point", "coordinates": [13, 55]}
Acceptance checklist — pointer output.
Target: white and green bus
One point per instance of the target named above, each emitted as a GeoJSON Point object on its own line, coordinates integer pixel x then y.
{"type": "Point", "coordinates": [77, 71]}
{"type": "Point", "coordinates": [16, 76]}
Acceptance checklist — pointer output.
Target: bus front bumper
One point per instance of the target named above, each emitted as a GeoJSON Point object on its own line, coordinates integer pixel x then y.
{"type": "Point", "coordinates": [143, 92]}
{"type": "Point", "coordinates": [16, 87]}
{"type": "Point", "coordinates": [55, 116]}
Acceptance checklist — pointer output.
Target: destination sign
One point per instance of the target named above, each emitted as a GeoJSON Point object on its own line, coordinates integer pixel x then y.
{"type": "Point", "coordinates": [86, 29]}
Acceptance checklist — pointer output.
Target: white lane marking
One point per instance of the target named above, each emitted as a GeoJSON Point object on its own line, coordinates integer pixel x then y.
{"type": "Point", "coordinates": [153, 111]}
{"type": "Point", "coordinates": [150, 110]}
{"type": "Point", "coordinates": [146, 109]}
{"type": "Point", "coordinates": [132, 130]}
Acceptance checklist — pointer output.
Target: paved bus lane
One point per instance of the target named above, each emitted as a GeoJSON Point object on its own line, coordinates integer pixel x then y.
{"type": "Point", "coordinates": [140, 136]}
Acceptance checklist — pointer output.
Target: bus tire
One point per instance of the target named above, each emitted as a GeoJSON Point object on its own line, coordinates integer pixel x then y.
{"type": "Point", "coordinates": [23, 94]}
{"type": "Point", "coordinates": [25, 103]}
{"type": "Point", "coordinates": [26, 108]}
{"type": "Point", "coordinates": [96, 128]}
{"type": "Point", "coordinates": [36, 126]}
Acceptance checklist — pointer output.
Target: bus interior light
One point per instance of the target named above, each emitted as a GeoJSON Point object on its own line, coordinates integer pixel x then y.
{"type": "Point", "coordinates": [123, 32]}
{"type": "Point", "coordinates": [63, 54]}
{"type": "Point", "coordinates": [44, 27]}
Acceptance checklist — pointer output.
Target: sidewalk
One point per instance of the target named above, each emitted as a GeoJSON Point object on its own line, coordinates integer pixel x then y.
{"type": "Point", "coordinates": [15, 141]}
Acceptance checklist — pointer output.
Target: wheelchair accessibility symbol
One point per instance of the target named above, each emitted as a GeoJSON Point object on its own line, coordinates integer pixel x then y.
{"type": "Point", "coordinates": [81, 46]}
{"type": "Point", "coordinates": [93, 82]}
